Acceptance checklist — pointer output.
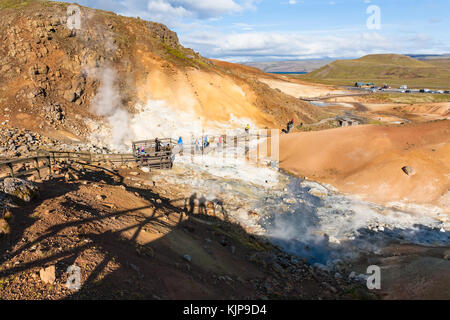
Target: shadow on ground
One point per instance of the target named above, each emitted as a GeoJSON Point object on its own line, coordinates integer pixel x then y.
{"type": "Point", "coordinates": [170, 253]}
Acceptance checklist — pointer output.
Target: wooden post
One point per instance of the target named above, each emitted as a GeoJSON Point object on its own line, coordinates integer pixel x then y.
{"type": "Point", "coordinates": [224, 146]}
{"type": "Point", "coordinates": [11, 170]}
{"type": "Point", "coordinates": [202, 142]}
{"type": "Point", "coordinates": [36, 162]}
{"type": "Point", "coordinates": [49, 165]}
{"type": "Point", "coordinates": [235, 147]}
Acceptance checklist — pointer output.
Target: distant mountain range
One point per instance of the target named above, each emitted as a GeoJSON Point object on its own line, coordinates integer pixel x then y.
{"type": "Point", "coordinates": [300, 66]}
{"type": "Point", "coordinates": [429, 56]}
{"type": "Point", "coordinates": [310, 65]}
{"type": "Point", "coordinates": [421, 71]}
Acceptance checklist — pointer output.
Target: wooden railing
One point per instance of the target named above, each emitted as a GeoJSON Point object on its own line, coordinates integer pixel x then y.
{"type": "Point", "coordinates": [36, 163]}
{"type": "Point", "coordinates": [45, 158]}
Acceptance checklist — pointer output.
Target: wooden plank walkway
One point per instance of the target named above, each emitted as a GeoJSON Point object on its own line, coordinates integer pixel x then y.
{"type": "Point", "coordinates": [145, 153]}
{"type": "Point", "coordinates": [43, 160]}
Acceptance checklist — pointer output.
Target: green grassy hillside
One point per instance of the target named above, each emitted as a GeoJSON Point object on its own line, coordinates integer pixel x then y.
{"type": "Point", "coordinates": [385, 68]}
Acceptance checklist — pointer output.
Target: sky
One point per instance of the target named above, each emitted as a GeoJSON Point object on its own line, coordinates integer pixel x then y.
{"type": "Point", "coordinates": [276, 30]}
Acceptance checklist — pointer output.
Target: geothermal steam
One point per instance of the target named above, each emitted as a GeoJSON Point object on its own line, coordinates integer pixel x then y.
{"type": "Point", "coordinates": [107, 104]}
{"type": "Point", "coordinates": [154, 119]}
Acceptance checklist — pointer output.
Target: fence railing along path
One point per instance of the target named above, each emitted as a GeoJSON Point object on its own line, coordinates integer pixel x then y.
{"type": "Point", "coordinates": [161, 159]}
{"type": "Point", "coordinates": [43, 160]}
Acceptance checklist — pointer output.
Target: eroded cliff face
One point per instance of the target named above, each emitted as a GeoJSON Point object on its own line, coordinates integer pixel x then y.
{"type": "Point", "coordinates": [51, 76]}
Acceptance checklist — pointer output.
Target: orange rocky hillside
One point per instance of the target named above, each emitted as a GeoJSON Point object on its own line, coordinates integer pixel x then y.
{"type": "Point", "coordinates": [368, 161]}
{"type": "Point", "coordinates": [48, 73]}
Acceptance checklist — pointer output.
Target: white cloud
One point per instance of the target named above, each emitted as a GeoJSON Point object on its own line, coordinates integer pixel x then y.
{"type": "Point", "coordinates": [294, 2]}
{"type": "Point", "coordinates": [243, 26]}
{"type": "Point", "coordinates": [253, 46]}
{"type": "Point", "coordinates": [435, 20]}
{"type": "Point", "coordinates": [161, 7]}
{"type": "Point", "coordinates": [168, 10]}
{"type": "Point", "coordinates": [207, 8]}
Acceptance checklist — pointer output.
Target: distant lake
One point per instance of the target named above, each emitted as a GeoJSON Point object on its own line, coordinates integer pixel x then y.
{"type": "Point", "coordinates": [288, 72]}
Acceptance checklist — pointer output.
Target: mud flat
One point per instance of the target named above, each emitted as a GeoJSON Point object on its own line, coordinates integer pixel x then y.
{"type": "Point", "coordinates": [336, 233]}
{"type": "Point", "coordinates": [299, 89]}
{"type": "Point", "coordinates": [367, 161]}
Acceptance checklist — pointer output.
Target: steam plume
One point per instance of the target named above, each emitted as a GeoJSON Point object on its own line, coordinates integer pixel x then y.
{"type": "Point", "coordinates": [107, 103]}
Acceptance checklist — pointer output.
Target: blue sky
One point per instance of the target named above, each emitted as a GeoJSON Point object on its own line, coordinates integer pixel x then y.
{"type": "Point", "coordinates": [264, 30]}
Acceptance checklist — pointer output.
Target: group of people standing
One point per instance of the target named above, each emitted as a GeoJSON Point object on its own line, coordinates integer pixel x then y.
{"type": "Point", "coordinates": [140, 151]}
{"type": "Point", "coordinates": [201, 144]}
{"type": "Point", "coordinates": [205, 141]}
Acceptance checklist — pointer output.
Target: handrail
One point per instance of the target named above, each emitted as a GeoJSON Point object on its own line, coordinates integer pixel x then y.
{"type": "Point", "coordinates": [158, 159]}
{"type": "Point", "coordinates": [161, 160]}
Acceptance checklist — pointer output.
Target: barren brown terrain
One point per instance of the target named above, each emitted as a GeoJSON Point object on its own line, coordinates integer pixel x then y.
{"type": "Point", "coordinates": [368, 161]}
{"type": "Point", "coordinates": [138, 240]}
{"type": "Point", "coordinates": [299, 89]}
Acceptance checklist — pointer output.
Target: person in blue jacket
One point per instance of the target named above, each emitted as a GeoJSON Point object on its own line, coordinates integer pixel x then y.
{"type": "Point", "coordinates": [180, 143]}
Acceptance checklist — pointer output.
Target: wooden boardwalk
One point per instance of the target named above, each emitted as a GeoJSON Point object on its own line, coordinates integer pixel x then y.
{"type": "Point", "coordinates": [43, 160]}
{"type": "Point", "coordinates": [147, 153]}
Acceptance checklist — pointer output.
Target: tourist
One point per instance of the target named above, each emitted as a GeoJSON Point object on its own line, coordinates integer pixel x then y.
{"type": "Point", "coordinates": [180, 143]}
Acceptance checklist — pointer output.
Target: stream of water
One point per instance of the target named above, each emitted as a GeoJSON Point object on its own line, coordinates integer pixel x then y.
{"type": "Point", "coordinates": [306, 218]}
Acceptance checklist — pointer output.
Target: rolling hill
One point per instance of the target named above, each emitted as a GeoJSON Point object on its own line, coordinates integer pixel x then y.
{"type": "Point", "coordinates": [381, 68]}
{"type": "Point", "coordinates": [290, 66]}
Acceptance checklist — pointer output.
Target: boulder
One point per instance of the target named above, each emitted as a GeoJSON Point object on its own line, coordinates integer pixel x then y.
{"type": "Point", "coordinates": [48, 275]}
{"type": "Point", "coordinates": [447, 255]}
{"type": "Point", "coordinates": [4, 227]}
{"type": "Point", "coordinates": [408, 170]}
{"type": "Point", "coordinates": [19, 189]}
{"type": "Point", "coordinates": [70, 96]}
{"type": "Point", "coordinates": [100, 197]}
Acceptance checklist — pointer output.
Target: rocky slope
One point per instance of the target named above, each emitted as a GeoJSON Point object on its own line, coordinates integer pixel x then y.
{"type": "Point", "coordinates": [51, 76]}
{"type": "Point", "coordinates": [134, 240]}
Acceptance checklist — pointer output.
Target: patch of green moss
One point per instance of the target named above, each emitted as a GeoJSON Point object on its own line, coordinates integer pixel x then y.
{"type": "Point", "coordinates": [175, 52]}
{"type": "Point", "coordinates": [179, 54]}
{"type": "Point", "coordinates": [14, 4]}
{"type": "Point", "coordinates": [8, 216]}
{"type": "Point", "coordinates": [375, 122]}
{"type": "Point", "coordinates": [201, 63]}
{"type": "Point", "coordinates": [332, 124]}
{"type": "Point", "coordinates": [304, 128]}
{"type": "Point", "coordinates": [244, 239]}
